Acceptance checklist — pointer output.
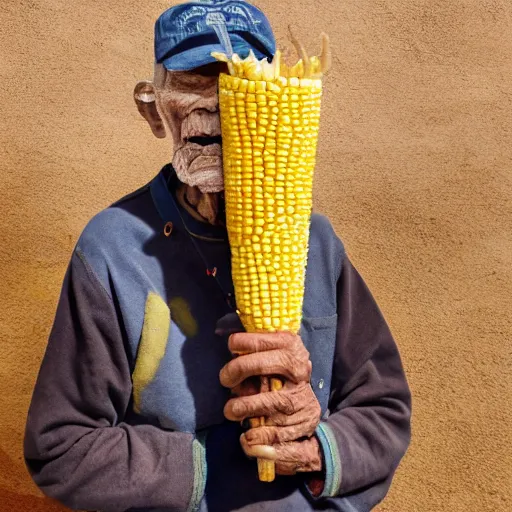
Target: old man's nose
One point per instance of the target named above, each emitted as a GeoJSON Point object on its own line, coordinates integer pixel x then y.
{"type": "Point", "coordinates": [214, 107]}
{"type": "Point", "coordinates": [208, 103]}
{"type": "Point", "coordinates": [209, 99]}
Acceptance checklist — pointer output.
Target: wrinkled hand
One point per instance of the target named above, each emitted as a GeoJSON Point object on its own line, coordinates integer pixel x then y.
{"type": "Point", "coordinates": [289, 458]}
{"type": "Point", "coordinates": [294, 411]}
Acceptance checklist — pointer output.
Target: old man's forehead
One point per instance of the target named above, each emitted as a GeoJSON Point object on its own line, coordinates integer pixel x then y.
{"type": "Point", "coordinates": [193, 77]}
{"type": "Point", "coordinates": [196, 77]}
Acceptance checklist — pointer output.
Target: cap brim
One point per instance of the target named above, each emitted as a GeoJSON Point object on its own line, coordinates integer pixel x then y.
{"type": "Point", "coordinates": [201, 55]}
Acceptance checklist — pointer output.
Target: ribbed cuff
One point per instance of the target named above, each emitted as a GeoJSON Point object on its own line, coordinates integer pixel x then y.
{"type": "Point", "coordinates": [332, 461]}
{"type": "Point", "coordinates": [200, 470]}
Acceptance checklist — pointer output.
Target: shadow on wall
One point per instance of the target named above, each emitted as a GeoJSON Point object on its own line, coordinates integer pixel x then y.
{"type": "Point", "coordinates": [16, 502]}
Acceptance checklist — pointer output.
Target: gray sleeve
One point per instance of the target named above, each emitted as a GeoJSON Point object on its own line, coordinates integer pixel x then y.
{"type": "Point", "coordinates": [368, 430]}
{"type": "Point", "coordinates": [77, 448]}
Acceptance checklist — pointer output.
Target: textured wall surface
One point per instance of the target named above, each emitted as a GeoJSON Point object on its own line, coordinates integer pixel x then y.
{"type": "Point", "coordinates": [414, 170]}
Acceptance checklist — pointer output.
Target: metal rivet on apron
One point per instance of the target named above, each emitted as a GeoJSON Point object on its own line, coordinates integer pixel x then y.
{"type": "Point", "coordinates": [321, 384]}
{"type": "Point", "coordinates": [168, 229]}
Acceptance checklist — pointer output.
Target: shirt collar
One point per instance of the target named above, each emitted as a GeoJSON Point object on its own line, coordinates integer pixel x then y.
{"type": "Point", "coordinates": [162, 192]}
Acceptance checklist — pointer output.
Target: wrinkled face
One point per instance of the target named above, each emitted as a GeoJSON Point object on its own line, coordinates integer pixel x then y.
{"type": "Point", "coordinates": [188, 104]}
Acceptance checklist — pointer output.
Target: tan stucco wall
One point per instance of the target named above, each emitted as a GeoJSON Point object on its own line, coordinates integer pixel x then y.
{"type": "Point", "coordinates": [414, 170]}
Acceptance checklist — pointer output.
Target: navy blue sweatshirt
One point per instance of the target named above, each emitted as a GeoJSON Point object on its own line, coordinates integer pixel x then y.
{"type": "Point", "coordinates": [88, 445]}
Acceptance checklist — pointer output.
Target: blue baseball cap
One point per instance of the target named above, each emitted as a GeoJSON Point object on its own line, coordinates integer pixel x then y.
{"type": "Point", "coordinates": [185, 36]}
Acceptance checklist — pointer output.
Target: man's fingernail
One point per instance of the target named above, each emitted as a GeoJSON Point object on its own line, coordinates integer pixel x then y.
{"type": "Point", "coordinates": [262, 451]}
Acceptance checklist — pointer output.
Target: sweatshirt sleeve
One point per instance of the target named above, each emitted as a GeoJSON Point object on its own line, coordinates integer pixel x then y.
{"type": "Point", "coordinates": [368, 429]}
{"type": "Point", "coordinates": [77, 447]}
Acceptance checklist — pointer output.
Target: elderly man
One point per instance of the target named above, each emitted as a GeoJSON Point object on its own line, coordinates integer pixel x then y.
{"type": "Point", "coordinates": [139, 404]}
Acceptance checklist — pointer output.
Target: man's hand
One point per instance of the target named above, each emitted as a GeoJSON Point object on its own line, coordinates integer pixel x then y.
{"type": "Point", "coordinates": [290, 458]}
{"type": "Point", "coordinates": [294, 411]}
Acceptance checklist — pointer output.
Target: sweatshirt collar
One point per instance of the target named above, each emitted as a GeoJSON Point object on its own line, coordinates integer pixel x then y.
{"type": "Point", "coordinates": [163, 193]}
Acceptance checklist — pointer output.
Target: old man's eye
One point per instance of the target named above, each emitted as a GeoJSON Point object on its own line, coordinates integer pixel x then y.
{"type": "Point", "coordinates": [203, 75]}
{"type": "Point", "coordinates": [212, 70]}
{"type": "Point", "coordinates": [190, 80]}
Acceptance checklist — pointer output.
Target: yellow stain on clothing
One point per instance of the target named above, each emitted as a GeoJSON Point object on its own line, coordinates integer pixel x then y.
{"type": "Point", "coordinates": [155, 331]}
{"type": "Point", "coordinates": [182, 317]}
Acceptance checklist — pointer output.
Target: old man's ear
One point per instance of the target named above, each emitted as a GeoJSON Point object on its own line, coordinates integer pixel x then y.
{"type": "Point", "coordinates": [144, 96]}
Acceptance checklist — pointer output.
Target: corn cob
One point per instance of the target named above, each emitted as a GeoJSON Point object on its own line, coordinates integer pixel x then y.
{"type": "Point", "coordinates": [270, 115]}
